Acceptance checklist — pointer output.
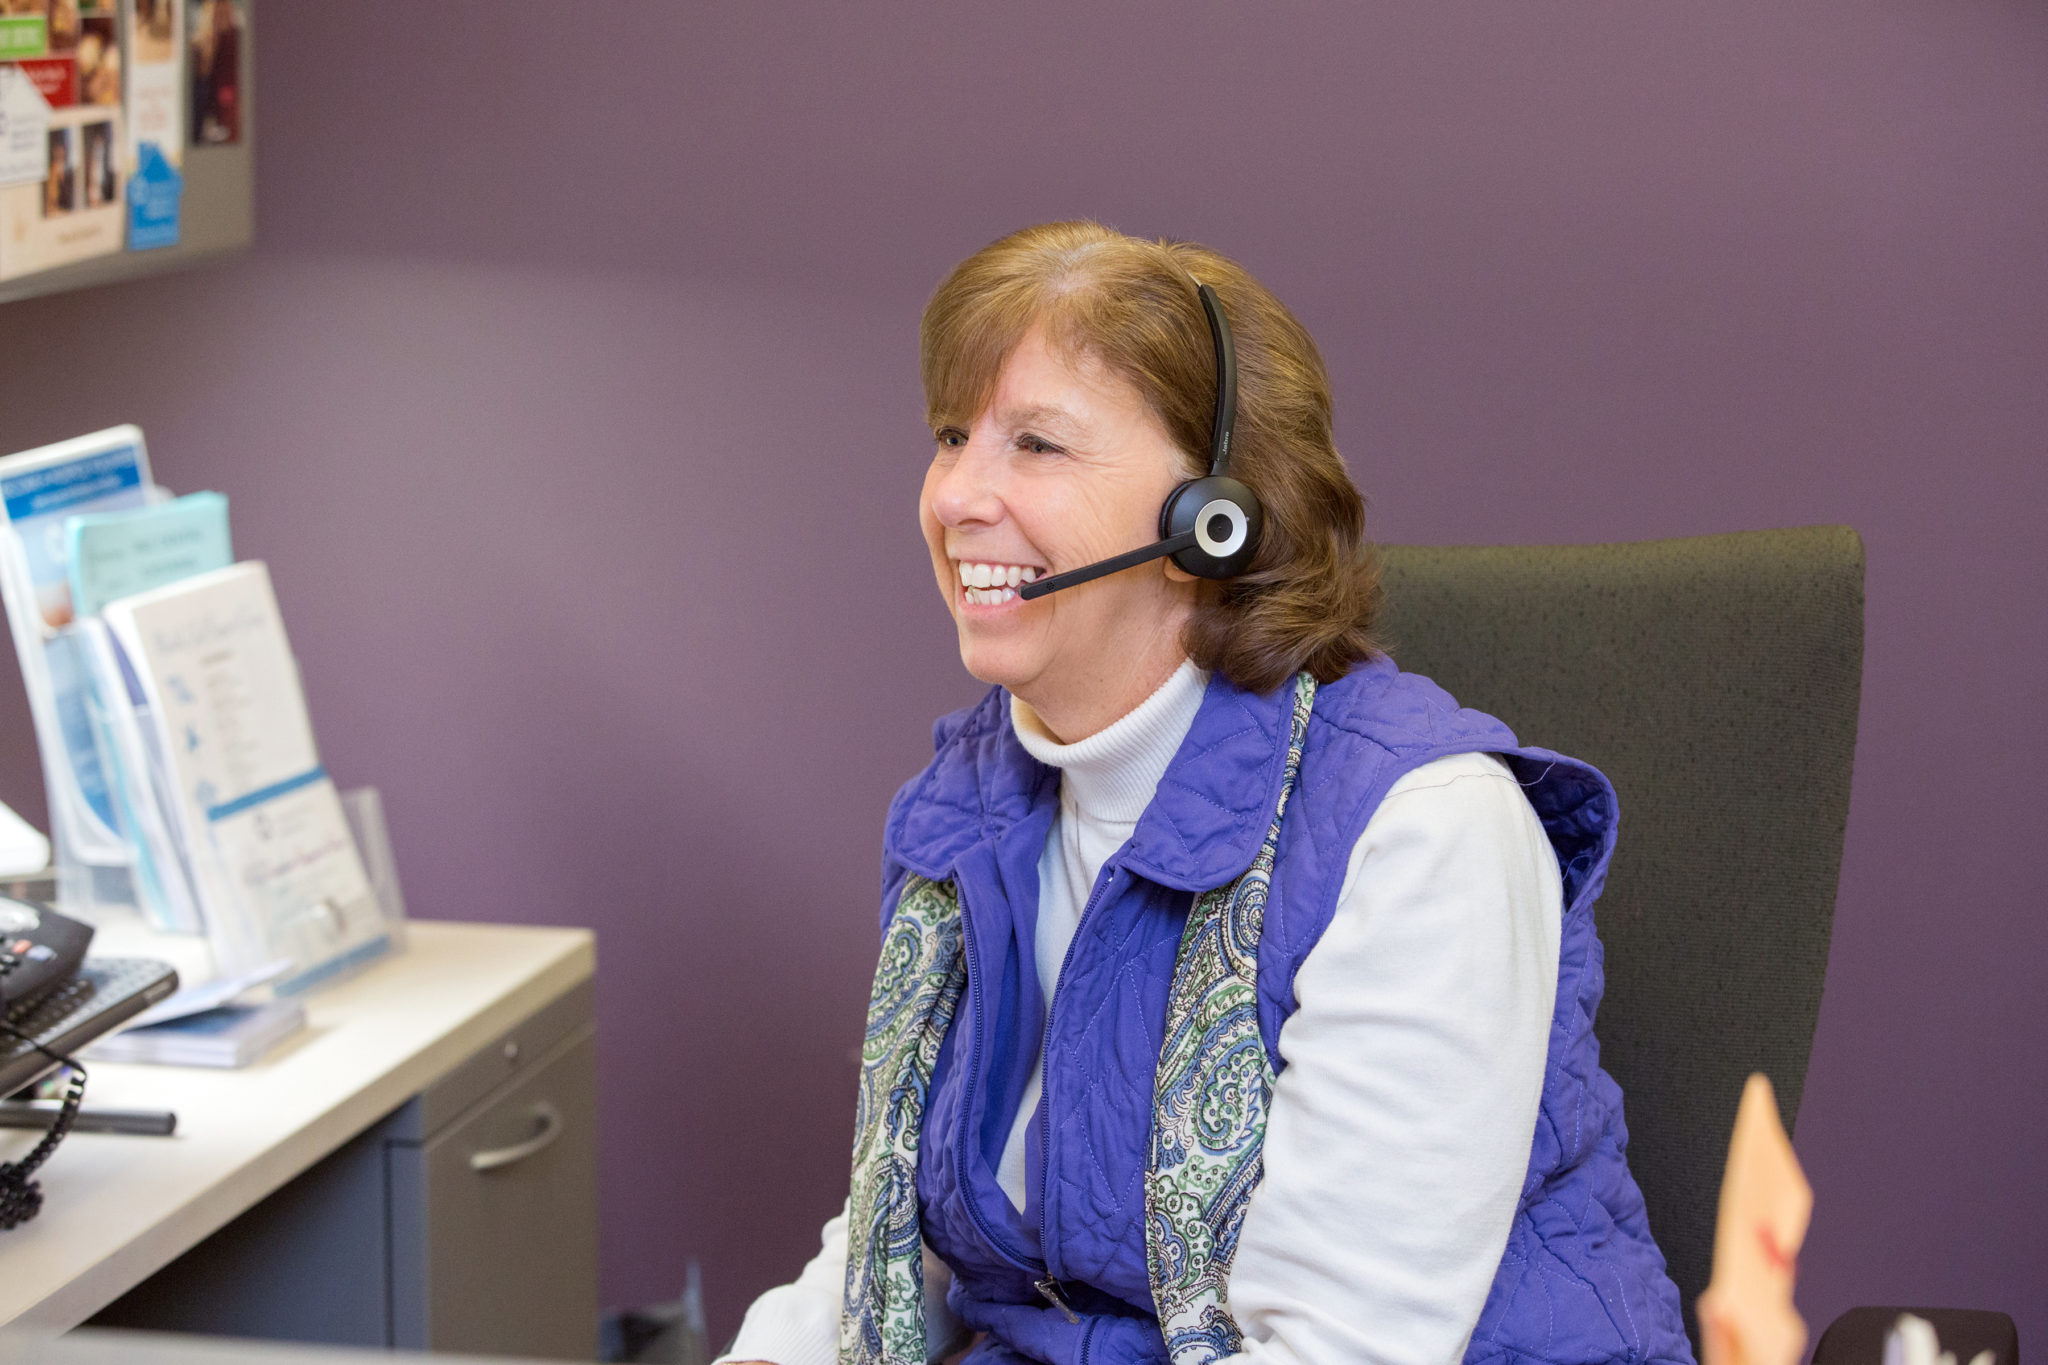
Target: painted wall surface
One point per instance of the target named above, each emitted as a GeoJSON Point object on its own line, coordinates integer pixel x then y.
{"type": "Point", "coordinates": [571, 396]}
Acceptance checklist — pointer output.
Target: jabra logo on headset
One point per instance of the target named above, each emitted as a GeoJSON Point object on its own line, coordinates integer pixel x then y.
{"type": "Point", "coordinates": [1209, 525]}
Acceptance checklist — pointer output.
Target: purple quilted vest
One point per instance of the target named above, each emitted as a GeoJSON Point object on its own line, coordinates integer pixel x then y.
{"type": "Point", "coordinates": [1581, 1280]}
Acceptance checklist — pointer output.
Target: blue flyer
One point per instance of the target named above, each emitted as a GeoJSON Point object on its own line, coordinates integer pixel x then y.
{"type": "Point", "coordinates": [156, 195]}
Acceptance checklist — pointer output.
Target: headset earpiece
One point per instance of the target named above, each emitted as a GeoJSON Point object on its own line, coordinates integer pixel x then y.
{"type": "Point", "coordinates": [1225, 519]}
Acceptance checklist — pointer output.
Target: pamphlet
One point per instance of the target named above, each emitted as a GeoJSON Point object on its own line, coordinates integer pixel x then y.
{"type": "Point", "coordinates": [277, 872]}
{"type": "Point", "coordinates": [162, 872]}
{"type": "Point", "coordinates": [210, 995]}
{"type": "Point", "coordinates": [24, 129]}
{"type": "Point", "coordinates": [104, 472]}
{"type": "Point", "coordinates": [156, 199]}
{"type": "Point", "coordinates": [118, 554]}
{"type": "Point", "coordinates": [156, 41]}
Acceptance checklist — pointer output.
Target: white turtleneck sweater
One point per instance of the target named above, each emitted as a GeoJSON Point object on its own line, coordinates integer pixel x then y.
{"type": "Point", "coordinates": [1399, 1133]}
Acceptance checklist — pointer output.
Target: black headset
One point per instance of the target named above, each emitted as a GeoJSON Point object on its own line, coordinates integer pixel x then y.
{"type": "Point", "coordinates": [1209, 525]}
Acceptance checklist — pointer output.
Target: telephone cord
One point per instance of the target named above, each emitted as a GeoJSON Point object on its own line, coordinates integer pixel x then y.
{"type": "Point", "coordinates": [21, 1197]}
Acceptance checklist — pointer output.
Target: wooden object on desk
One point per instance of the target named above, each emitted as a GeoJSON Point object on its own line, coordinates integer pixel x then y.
{"type": "Point", "coordinates": [426, 1027]}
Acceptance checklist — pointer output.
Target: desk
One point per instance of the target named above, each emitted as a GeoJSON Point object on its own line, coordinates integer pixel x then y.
{"type": "Point", "coordinates": [119, 1209]}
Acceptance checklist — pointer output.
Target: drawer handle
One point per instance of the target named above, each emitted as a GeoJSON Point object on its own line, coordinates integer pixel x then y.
{"type": "Point", "coordinates": [547, 1126]}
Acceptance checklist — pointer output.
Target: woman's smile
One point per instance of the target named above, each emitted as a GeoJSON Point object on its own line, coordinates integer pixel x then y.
{"type": "Point", "coordinates": [989, 585]}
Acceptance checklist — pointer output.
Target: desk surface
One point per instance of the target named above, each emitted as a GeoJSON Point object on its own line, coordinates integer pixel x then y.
{"type": "Point", "coordinates": [117, 1209]}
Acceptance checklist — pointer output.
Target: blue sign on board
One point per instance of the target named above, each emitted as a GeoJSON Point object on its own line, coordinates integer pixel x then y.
{"type": "Point", "coordinates": [155, 192]}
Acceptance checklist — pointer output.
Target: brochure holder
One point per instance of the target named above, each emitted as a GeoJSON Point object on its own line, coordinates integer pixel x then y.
{"type": "Point", "coordinates": [180, 764]}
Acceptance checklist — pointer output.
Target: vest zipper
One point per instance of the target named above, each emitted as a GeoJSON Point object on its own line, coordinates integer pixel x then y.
{"type": "Point", "coordinates": [1051, 1289]}
{"type": "Point", "coordinates": [1102, 881]}
{"type": "Point", "coordinates": [961, 1137]}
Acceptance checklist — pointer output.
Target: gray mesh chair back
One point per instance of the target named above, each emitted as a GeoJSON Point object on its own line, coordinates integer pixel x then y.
{"type": "Point", "coordinates": [1716, 682]}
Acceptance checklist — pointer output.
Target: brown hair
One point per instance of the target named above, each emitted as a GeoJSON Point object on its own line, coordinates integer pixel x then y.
{"type": "Point", "coordinates": [1312, 593]}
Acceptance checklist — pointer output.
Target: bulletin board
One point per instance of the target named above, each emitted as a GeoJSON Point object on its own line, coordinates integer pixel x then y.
{"type": "Point", "coordinates": [127, 138]}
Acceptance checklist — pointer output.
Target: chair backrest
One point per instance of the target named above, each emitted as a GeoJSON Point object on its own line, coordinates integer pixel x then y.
{"type": "Point", "coordinates": [1716, 682]}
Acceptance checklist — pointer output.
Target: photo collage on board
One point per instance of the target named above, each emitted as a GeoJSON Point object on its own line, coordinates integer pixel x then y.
{"type": "Point", "coordinates": [85, 87]}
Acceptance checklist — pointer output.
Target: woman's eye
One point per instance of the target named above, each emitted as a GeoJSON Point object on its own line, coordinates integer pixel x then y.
{"type": "Point", "coordinates": [1036, 446]}
{"type": "Point", "coordinates": [952, 438]}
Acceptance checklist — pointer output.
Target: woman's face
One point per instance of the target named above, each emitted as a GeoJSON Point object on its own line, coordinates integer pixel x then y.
{"type": "Point", "coordinates": [1067, 465]}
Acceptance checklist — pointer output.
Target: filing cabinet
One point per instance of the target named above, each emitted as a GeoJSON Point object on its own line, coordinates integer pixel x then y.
{"type": "Point", "coordinates": [466, 1221]}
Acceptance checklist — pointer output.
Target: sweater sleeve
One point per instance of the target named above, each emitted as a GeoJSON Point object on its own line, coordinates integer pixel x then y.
{"type": "Point", "coordinates": [1398, 1135]}
{"type": "Point", "coordinates": [798, 1323]}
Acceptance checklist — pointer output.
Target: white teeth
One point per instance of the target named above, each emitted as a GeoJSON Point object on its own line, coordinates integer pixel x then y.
{"type": "Point", "coordinates": [989, 597]}
{"type": "Point", "coordinates": [996, 576]}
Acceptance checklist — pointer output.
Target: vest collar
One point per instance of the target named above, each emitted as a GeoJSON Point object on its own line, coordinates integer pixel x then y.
{"type": "Point", "coordinates": [1202, 829]}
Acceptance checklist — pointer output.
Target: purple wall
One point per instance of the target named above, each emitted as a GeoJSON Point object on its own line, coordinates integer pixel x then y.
{"type": "Point", "coordinates": [572, 392]}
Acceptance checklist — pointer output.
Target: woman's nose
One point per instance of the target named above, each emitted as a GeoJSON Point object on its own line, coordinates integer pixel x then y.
{"type": "Point", "coordinates": [967, 492]}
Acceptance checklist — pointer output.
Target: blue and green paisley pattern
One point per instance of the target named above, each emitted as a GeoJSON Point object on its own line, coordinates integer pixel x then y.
{"type": "Point", "coordinates": [1209, 1098]}
{"type": "Point", "coordinates": [917, 987]}
{"type": "Point", "coordinates": [1208, 1123]}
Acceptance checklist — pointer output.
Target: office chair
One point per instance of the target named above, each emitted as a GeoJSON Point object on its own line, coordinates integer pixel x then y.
{"type": "Point", "coordinates": [1715, 681]}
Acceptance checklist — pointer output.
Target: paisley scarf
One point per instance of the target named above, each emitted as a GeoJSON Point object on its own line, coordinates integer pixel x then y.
{"type": "Point", "coordinates": [1208, 1118]}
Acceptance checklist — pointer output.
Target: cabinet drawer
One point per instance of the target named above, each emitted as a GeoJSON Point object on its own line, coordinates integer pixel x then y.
{"type": "Point", "coordinates": [531, 1040]}
{"type": "Point", "coordinates": [494, 1236]}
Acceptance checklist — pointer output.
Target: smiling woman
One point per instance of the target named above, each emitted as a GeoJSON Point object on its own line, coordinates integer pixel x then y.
{"type": "Point", "coordinates": [1111, 329]}
{"type": "Point", "coordinates": [1236, 990]}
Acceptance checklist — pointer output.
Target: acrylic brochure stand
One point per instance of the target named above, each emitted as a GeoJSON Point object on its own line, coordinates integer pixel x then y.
{"type": "Point", "coordinates": [185, 790]}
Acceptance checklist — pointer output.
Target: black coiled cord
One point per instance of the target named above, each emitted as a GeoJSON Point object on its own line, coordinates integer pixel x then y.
{"type": "Point", "coordinates": [21, 1197]}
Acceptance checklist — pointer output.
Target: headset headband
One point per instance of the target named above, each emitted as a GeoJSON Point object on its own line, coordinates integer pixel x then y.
{"type": "Point", "coordinates": [1226, 380]}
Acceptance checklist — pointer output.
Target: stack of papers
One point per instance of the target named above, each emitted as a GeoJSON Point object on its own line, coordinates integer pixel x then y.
{"type": "Point", "coordinates": [231, 1035]}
